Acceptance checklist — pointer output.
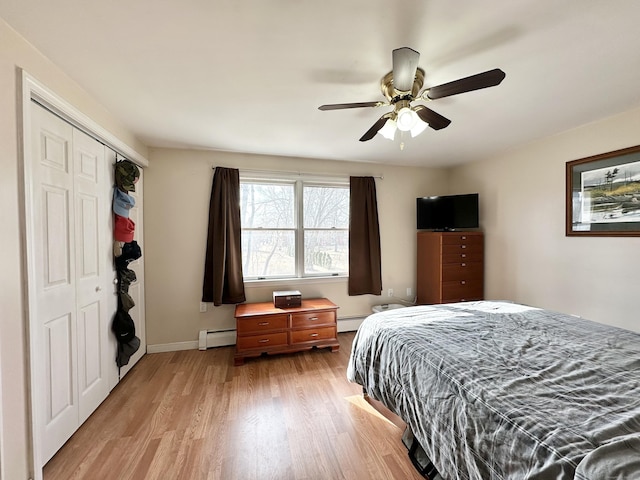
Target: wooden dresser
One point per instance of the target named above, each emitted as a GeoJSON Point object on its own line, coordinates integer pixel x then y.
{"type": "Point", "coordinates": [450, 267]}
{"type": "Point", "coordinates": [263, 328]}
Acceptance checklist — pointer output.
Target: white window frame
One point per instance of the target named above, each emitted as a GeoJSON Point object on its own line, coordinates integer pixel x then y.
{"type": "Point", "coordinates": [298, 180]}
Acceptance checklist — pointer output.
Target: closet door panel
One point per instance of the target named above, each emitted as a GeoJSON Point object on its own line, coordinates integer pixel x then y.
{"type": "Point", "coordinates": [91, 238]}
{"type": "Point", "coordinates": [54, 318]}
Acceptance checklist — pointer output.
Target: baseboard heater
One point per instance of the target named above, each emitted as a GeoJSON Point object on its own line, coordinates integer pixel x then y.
{"type": "Point", "coordinates": [216, 338]}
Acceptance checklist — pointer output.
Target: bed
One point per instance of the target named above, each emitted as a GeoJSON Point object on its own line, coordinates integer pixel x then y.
{"type": "Point", "coordinates": [497, 390]}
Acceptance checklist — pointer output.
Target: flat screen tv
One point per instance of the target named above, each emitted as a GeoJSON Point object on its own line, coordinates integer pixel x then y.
{"type": "Point", "coordinates": [447, 212]}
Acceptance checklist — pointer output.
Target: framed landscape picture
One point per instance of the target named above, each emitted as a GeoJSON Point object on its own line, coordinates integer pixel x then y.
{"type": "Point", "coordinates": [603, 194]}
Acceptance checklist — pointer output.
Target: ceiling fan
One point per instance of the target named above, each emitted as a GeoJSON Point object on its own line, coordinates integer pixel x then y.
{"type": "Point", "coordinates": [403, 85]}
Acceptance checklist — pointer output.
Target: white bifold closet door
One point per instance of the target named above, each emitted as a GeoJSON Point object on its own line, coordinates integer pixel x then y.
{"type": "Point", "coordinates": [71, 276]}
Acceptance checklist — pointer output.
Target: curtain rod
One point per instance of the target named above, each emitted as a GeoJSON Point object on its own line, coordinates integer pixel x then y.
{"type": "Point", "coordinates": [251, 170]}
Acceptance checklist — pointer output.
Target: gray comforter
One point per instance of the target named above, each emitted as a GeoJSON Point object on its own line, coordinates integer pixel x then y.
{"type": "Point", "coordinates": [496, 390]}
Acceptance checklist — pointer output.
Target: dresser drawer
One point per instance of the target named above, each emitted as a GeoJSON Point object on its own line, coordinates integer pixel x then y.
{"type": "Point", "coordinates": [462, 256]}
{"type": "Point", "coordinates": [468, 248]}
{"type": "Point", "coordinates": [312, 319]}
{"type": "Point", "coordinates": [313, 334]}
{"type": "Point", "coordinates": [462, 238]}
{"type": "Point", "coordinates": [471, 272]}
{"type": "Point", "coordinates": [264, 323]}
{"type": "Point", "coordinates": [461, 291]}
{"type": "Point", "coordinates": [266, 341]}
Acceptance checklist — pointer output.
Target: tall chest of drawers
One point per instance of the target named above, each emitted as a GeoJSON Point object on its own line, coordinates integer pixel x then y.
{"type": "Point", "coordinates": [450, 267]}
{"type": "Point", "coordinates": [263, 328]}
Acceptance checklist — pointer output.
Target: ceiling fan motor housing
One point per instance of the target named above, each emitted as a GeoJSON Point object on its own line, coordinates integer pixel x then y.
{"type": "Point", "coordinates": [393, 95]}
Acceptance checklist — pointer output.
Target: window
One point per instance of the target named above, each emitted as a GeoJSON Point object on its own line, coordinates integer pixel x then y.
{"type": "Point", "coordinates": [294, 228]}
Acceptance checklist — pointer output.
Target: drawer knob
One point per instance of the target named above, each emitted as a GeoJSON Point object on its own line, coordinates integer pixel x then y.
{"type": "Point", "coordinates": [313, 318]}
{"type": "Point", "coordinates": [464, 264]}
{"type": "Point", "coordinates": [464, 255]}
{"type": "Point", "coordinates": [263, 324]}
{"type": "Point", "coordinates": [313, 335]}
{"type": "Point", "coordinates": [464, 238]}
{"type": "Point", "coordinates": [463, 246]}
{"type": "Point", "coordinates": [264, 340]}
{"type": "Point", "coordinates": [463, 282]}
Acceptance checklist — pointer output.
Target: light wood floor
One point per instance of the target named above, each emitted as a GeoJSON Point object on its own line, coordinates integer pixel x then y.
{"type": "Point", "coordinates": [193, 415]}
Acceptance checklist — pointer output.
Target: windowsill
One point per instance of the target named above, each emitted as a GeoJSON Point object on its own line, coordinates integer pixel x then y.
{"type": "Point", "coordinates": [288, 282]}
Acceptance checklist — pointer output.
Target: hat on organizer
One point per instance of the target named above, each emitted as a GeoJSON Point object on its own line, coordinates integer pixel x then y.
{"type": "Point", "coordinates": [127, 277]}
{"type": "Point", "coordinates": [124, 229]}
{"type": "Point", "coordinates": [126, 302]}
{"type": "Point", "coordinates": [123, 327]}
{"type": "Point", "coordinates": [130, 251]}
{"type": "Point", "coordinates": [122, 203]}
{"type": "Point", "coordinates": [125, 350]}
{"type": "Point", "coordinates": [127, 174]}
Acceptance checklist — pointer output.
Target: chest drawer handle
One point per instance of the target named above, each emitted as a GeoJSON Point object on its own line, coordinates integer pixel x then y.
{"type": "Point", "coordinates": [313, 318]}
{"type": "Point", "coordinates": [463, 255]}
{"type": "Point", "coordinates": [463, 246]}
{"type": "Point", "coordinates": [264, 340]}
{"type": "Point", "coordinates": [263, 324]}
{"type": "Point", "coordinates": [313, 335]}
{"type": "Point", "coordinates": [463, 282]}
{"type": "Point", "coordinates": [464, 238]}
{"type": "Point", "coordinates": [464, 264]}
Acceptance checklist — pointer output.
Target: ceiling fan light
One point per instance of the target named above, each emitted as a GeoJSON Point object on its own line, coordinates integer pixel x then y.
{"type": "Point", "coordinates": [407, 119]}
{"type": "Point", "coordinates": [388, 130]}
{"type": "Point", "coordinates": [418, 128]}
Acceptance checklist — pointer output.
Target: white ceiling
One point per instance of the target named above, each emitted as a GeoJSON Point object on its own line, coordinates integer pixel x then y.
{"type": "Point", "coordinates": [248, 75]}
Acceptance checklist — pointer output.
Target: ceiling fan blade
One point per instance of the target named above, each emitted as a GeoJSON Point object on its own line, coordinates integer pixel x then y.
{"type": "Point", "coordinates": [435, 120]}
{"type": "Point", "coordinates": [373, 130]}
{"type": "Point", "coordinates": [405, 63]}
{"type": "Point", "coordinates": [341, 106]}
{"type": "Point", "coordinates": [490, 78]}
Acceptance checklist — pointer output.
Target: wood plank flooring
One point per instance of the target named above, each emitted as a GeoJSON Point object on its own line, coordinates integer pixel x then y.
{"type": "Point", "coordinates": [193, 415]}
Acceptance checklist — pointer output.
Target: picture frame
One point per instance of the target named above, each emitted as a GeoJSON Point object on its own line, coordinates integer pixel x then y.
{"type": "Point", "coordinates": [603, 194]}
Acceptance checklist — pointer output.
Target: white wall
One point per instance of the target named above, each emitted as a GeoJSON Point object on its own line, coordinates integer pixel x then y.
{"type": "Point", "coordinates": [528, 257]}
{"type": "Point", "coordinates": [177, 190]}
{"type": "Point", "coordinates": [16, 53]}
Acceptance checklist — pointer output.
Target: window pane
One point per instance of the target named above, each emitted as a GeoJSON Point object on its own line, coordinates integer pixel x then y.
{"type": "Point", "coordinates": [267, 205]}
{"type": "Point", "coordinates": [326, 207]}
{"type": "Point", "coordinates": [268, 253]}
{"type": "Point", "coordinates": [326, 251]}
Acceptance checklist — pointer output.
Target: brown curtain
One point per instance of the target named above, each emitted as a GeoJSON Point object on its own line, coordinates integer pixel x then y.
{"type": "Point", "coordinates": [223, 281]}
{"type": "Point", "coordinates": [365, 273]}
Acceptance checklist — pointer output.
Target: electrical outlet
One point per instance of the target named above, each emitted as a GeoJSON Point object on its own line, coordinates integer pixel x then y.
{"type": "Point", "coordinates": [409, 291]}
{"type": "Point", "coordinates": [390, 292]}
{"type": "Point", "coordinates": [203, 307]}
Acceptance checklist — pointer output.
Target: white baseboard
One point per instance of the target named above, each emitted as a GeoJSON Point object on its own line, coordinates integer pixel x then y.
{"type": "Point", "coordinates": [210, 339]}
